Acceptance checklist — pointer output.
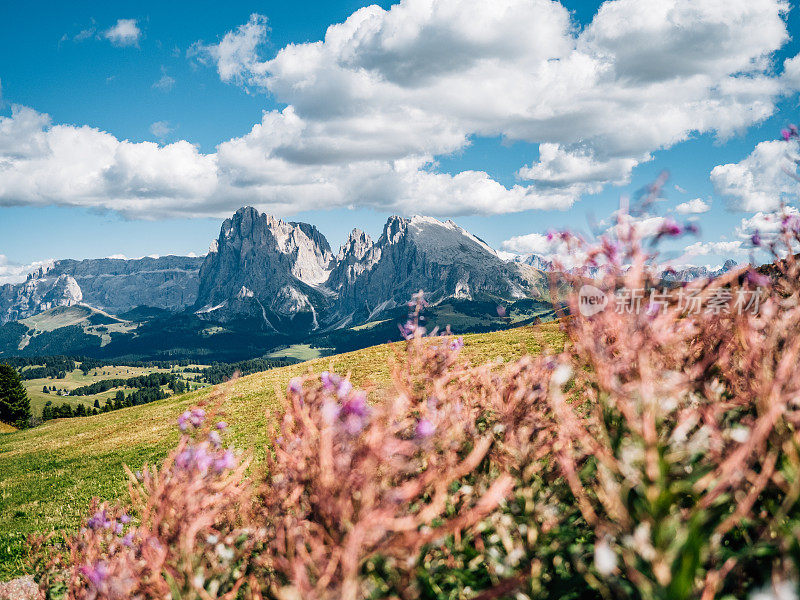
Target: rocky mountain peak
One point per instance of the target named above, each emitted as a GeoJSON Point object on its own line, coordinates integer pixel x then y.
{"type": "Point", "coordinates": [280, 265]}
{"type": "Point", "coordinates": [356, 247]}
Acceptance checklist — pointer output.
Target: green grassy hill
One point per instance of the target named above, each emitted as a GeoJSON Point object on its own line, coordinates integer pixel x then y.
{"type": "Point", "coordinates": [76, 378]}
{"type": "Point", "coordinates": [50, 473]}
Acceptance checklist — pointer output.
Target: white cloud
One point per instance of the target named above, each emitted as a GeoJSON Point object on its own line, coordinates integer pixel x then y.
{"type": "Point", "coordinates": [14, 273]}
{"type": "Point", "coordinates": [693, 207]}
{"type": "Point", "coordinates": [768, 225]}
{"type": "Point", "coordinates": [370, 107]}
{"type": "Point", "coordinates": [725, 248]}
{"type": "Point", "coordinates": [236, 55]}
{"type": "Point", "coordinates": [506, 256]}
{"type": "Point", "coordinates": [126, 32]}
{"type": "Point", "coordinates": [532, 243]}
{"type": "Point", "coordinates": [165, 83]}
{"type": "Point", "coordinates": [761, 181]}
{"type": "Point", "coordinates": [161, 129]}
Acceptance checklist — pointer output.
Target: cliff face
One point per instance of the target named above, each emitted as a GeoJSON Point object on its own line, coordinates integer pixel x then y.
{"type": "Point", "coordinates": [113, 285]}
{"type": "Point", "coordinates": [117, 285]}
{"type": "Point", "coordinates": [265, 269]}
{"type": "Point", "coordinates": [415, 254]}
{"type": "Point", "coordinates": [282, 276]}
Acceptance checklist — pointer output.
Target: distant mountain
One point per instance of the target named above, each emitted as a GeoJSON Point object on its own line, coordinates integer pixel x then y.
{"type": "Point", "coordinates": [110, 284]}
{"type": "Point", "coordinates": [536, 261]}
{"type": "Point", "coordinates": [692, 273]}
{"type": "Point", "coordinates": [266, 281]}
{"type": "Point", "coordinates": [266, 270]}
{"type": "Point", "coordinates": [673, 275]}
{"type": "Point", "coordinates": [421, 253]}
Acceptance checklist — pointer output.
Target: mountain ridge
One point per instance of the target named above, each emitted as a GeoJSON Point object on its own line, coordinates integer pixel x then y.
{"type": "Point", "coordinates": [266, 282]}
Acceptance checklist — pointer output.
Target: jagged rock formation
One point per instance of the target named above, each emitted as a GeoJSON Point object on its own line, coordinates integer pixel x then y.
{"type": "Point", "coordinates": [282, 276]}
{"type": "Point", "coordinates": [111, 284]}
{"type": "Point", "coordinates": [265, 269]}
{"type": "Point", "coordinates": [538, 262]}
{"type": "Point", "coordinates": [693, 273]}
{"type": "Point", "coordinates": [415, 254]}
{"type": "Point", "coordinates": [37, 294]}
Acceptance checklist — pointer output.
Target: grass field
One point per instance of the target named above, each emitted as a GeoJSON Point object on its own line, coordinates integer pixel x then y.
{"type": "Point", "coordinates": [77, 379]}
{"type": "Point", "coordinates": [299, 351]}
{"type": "Point", "coordinates": [50, 473]}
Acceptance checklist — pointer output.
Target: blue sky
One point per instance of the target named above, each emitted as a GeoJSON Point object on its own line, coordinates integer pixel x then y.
{"type": "Point", "coordinates": [160, 77]}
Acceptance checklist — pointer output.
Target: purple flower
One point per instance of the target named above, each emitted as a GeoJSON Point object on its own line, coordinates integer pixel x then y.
{"type": "Point", "coordinates": [670, 228]}
{"type": "Point", "coordinates": [329, 380]}
{"type": "Point", "coordinates": [791, 223]}
{"type": "Point", "coordinates": [222, 425]}
{"type": "Point", "coordinates": [202, 459]}
{"type": "Point", "coordinates": [183, 420]}
{"type": "Point", "coordinates": [96, 573]}
{"type": "Point", "coordinates": [214, 438]}
{"type": "Point", "coordinates": [184, 459]}
{"type": "Point", "coordinates": [755, 239]}
{"type": "Point", "coordinates": [357, 405]}
{"type": "Point", "coordinates": [125, 518]}
{"type": "Point", "coordinates": [345, 387]}
{"type": "Point", "coordinates": [457, 344]}
{"type": "Point", "coordinates": [425, 428]}
{"type": "Point", "coordinates": [501, 310]}
{"type": "Point", "coordinates": [197, 417]}
{"type": "Point", "coordinates": [786, 134]}
{"type": "Point", "coordinates": [757, 279]}
{"type": "Point", "coordinates": [353, 424]}
{"type": "Point", "coordinates": [296, 385]}
{"type": "Point", "coordinates": [99, 520]}
{"type": "Point", "coordinates": [128, 539]}
{"type": "Point", "coordinates": [226, 461]}
{"type": "Point", "coordinates": [194, 458]}
{"type": "Point", "coordinates": [118, 528]}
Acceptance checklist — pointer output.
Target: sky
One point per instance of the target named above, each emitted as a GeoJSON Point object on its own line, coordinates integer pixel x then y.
{"type": "Point", "coordinates": [133, 129]}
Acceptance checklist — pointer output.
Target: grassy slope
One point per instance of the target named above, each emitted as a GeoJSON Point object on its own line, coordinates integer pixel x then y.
{"type": "Point", "coordinates": [77, 379]}
{"type": "Point", "coordinates": [50, 473]}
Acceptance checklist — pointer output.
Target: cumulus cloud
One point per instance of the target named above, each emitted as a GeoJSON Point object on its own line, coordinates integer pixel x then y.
{"type": "Point", "coordinates": [161, 129]}
{"type": "Point", "coordinates": [693, 207]}
{"type": "Point", "coordinates": [369, 108]}
{"type": "Point", "coordinates": [532, 243]}
{"type": "Point", "coordinates": [236, 55]}
{"type": "Point", "coordinates": [762, 180]}
{"type": "Point", "coordinates": [126, 32]}
{"type": "Point", "coordinates": [165, 83]}
{"type": "Point", "coordinates": [44, 164]}
{"type": "Point", "coordinates": [14, 273]}
{"type": "Point", "coordinates": [725, 248]}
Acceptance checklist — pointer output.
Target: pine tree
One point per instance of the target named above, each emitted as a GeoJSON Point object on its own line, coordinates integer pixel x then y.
{"type": "Point", "coordinates": [14, 404]}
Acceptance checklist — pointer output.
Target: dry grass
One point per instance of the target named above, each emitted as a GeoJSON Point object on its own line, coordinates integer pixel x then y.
{"type": "Point", "coordinates": [50, 473]}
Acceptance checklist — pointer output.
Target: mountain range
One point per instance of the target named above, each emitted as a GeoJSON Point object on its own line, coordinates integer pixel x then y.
{"type": "Point", "coordinates": [267, 283]}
